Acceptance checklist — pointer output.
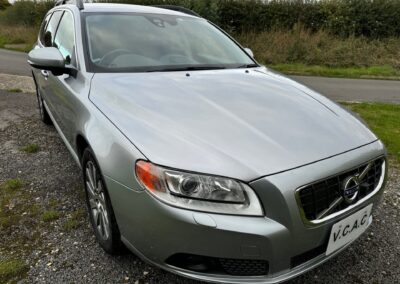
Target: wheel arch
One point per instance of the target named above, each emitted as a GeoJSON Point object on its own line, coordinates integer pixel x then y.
{"type": "Point", "coordinates": [34, 79]}
{"type": "Point", "coordinates": [81, 144]}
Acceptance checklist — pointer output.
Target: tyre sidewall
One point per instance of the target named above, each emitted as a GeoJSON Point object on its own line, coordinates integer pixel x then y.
{"type": "Point", "coordinates": [113, 244]}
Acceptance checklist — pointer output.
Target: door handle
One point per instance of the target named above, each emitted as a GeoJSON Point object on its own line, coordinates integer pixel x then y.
{"type": "Point", "coordinates": [45, 73]}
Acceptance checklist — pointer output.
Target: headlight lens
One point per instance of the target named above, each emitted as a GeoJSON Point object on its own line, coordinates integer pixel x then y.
{"type": "Point", "coordinates": [197, 191]}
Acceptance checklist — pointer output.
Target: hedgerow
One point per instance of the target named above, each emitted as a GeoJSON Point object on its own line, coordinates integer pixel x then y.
{"type": "Point", "coordinates": [367, 18]}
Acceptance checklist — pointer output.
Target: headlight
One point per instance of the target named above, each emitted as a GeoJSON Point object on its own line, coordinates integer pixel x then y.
{"type": "Point", "coordinates": [198, 192]}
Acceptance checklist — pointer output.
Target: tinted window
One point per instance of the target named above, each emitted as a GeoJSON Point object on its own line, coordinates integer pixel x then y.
{"type": "Point", "coordinates": [51, 28]}
{"type": "Point", "coordinates": [152, 42]}
{"type": "Point", "coordinates": [65, 40]}
{"type": "Point", "coordinates": [43, 28]}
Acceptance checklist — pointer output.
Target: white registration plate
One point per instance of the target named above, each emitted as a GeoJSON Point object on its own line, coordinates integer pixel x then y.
{"type": "Point", "coordinates": [349, 229]}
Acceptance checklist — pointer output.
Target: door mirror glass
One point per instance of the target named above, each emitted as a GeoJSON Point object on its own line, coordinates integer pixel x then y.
{"type": "Point", "coordinates": [249, 52]}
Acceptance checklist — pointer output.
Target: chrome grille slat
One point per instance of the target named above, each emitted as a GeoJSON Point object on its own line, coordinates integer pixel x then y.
{"type": "Point", "coordinates": [318, 197]}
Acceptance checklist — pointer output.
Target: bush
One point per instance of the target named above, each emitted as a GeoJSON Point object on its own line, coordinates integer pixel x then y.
{"type": "Point", "coordinates": [4, 4]}
{"type": "Point", "coordinates": [368, 18]}
{"type": "Point", "coordinates": [10, 34]}
{"type": "Point", "coordinates": [321, 48]}
{"type": "Point", "coordinates": [25, 12]}
{"type": "Point", "coordinates": [334, 33]}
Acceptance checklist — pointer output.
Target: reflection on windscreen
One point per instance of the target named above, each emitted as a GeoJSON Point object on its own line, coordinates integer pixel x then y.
{"type": "Point", "coordinates": [137, 41]}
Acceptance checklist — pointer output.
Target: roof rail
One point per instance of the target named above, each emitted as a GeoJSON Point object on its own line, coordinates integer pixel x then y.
{"type": "Point", "coordinates": [178, 9]}
{"type": "Point", "coordinates": [78, 3]}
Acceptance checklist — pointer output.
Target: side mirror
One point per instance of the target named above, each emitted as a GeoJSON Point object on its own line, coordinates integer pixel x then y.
{"type": "Point", "coordinates": [249, 52]}
{"type": "Point", "coordinates": [50, 59]}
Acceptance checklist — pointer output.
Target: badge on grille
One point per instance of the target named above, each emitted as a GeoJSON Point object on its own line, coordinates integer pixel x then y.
{"type": "Point", "coordinates": [351, 185]}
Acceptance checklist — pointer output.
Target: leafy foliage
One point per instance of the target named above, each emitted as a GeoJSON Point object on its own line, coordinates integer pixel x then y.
{"type": "Point", "coordinates": [368, 18]}
{"type": "Point", "coordinates": [25, 12]}
{"type": "Point", "coordinates": [4, 4]}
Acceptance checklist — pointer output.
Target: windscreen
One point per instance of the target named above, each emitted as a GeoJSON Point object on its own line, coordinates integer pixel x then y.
{"type": "Point", "coordinates": [124, 42]}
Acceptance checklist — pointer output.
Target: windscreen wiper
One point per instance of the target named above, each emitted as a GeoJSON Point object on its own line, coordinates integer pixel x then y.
{"type": "Point", "coordinates": [248, 65]}
{"type": "Point", "coordinates": [187, 68]}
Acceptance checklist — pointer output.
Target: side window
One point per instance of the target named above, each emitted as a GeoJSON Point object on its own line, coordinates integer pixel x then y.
{"type": "Point", "coordinates": [43, 28]}
{"type": "Point", "coordinates": [65, 40]}
{"type": "Point", "coordinates": [48, 37]}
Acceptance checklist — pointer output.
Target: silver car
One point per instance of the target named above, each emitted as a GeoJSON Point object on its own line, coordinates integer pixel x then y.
{"type": "Point", "coordinates": [194, 156]}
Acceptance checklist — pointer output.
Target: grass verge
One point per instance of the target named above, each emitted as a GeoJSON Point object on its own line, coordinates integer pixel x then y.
{"type": "Point", "coordinates": [12, 269]}
{"type": "Point", "coordinates": [19, 38]}
{"type": "Point", "coordinates": [384, 120]}
{"type": "Point", "coordinates": [293, 52]}
{"type": "Point", "coordinates": [373, 72]}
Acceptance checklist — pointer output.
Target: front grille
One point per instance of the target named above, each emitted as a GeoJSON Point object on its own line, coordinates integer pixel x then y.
{"type": "Point", "coordinates": [244, 267]}
{"type": "Point", "coordinates": [215, 265]}
{"type": "Point", "coordinates": [318, 197]}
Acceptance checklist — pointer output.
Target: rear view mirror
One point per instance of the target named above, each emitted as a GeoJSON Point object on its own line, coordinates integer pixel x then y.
{"type": "Point", "coordinates": [50, 59]}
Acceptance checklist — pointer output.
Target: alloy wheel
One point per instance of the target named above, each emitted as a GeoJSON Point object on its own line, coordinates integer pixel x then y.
{"type": "Point", "coordinates": [97, 201]}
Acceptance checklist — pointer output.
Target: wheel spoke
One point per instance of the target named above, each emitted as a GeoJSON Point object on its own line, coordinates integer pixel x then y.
{"type": "Point", "coordinates": [102, 224]}
{"type": "Point", "coordinates": [106, 224]}
{"type": "Point", "coordinates": [106, 227]}
{"type": "Point", "coordinates": [97, 201]}
{"type": "Point", "coordinates": [94, 178]}
{"type": "Point", "coordinates": [92, 203]}
{"type": "Point", "coordinates": [90, 190]}
{"type": "Point", "coordinates": [89, 176]}
{"type": "Point", "coordinates": [95, 213]}
{"type": "Point", "coordinates": [100, 195]}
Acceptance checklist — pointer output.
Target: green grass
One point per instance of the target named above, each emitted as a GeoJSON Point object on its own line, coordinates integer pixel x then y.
{"type": "Point", "coordinates": [294, 52]}
{"type": "Point", "coordinates": [14, 90]}
{"type": "Point", "coordinates": [71, 224]}
{"type": "Point", "coordinates": [374, 72]}
{"type": "Point", "coordinates": [13, 184]}
{"type": "Point", "coordinates": [50, 215]}
{"type": "Point", "coordinates": [384, 120]}
{"type": "Point", "coordinates": [8, 193]}
{"type": "Point", "coordinates": [30, 148]}
{"type": "Point", "coordinates": [12, 270]}
{"type": "Point", "coordinates": [19, 38]}
{"type": "Point", "coordinates": [75, 220]}
{"type": "Point", "coordinates": [303, 52]}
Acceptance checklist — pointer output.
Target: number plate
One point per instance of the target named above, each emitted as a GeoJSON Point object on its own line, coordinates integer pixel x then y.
{"type": "Point", "coordinates": [349, 229]}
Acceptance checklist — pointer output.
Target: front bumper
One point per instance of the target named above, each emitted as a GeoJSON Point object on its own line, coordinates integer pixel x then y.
{"type": "Point", "coordinates": [156, 231]}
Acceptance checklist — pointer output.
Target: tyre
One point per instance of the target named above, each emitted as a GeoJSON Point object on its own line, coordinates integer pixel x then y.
{"type": "Point", "coordinates": [44, 115]}
{"type": "Point", "coordinates": [101, 214]}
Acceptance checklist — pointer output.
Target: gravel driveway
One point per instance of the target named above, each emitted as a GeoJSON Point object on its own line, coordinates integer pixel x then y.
{"type": "Point", "coordinates": [50, 231]}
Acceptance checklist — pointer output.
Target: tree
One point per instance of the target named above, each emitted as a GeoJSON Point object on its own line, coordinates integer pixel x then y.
{"type": "Point", "coordinates": [4, 4]}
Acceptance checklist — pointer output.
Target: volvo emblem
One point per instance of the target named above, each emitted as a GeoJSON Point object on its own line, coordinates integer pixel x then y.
{"type": "Point", "coordinates": [351, 185]}
{"type": "Point", "coordinates": [350, 189]}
